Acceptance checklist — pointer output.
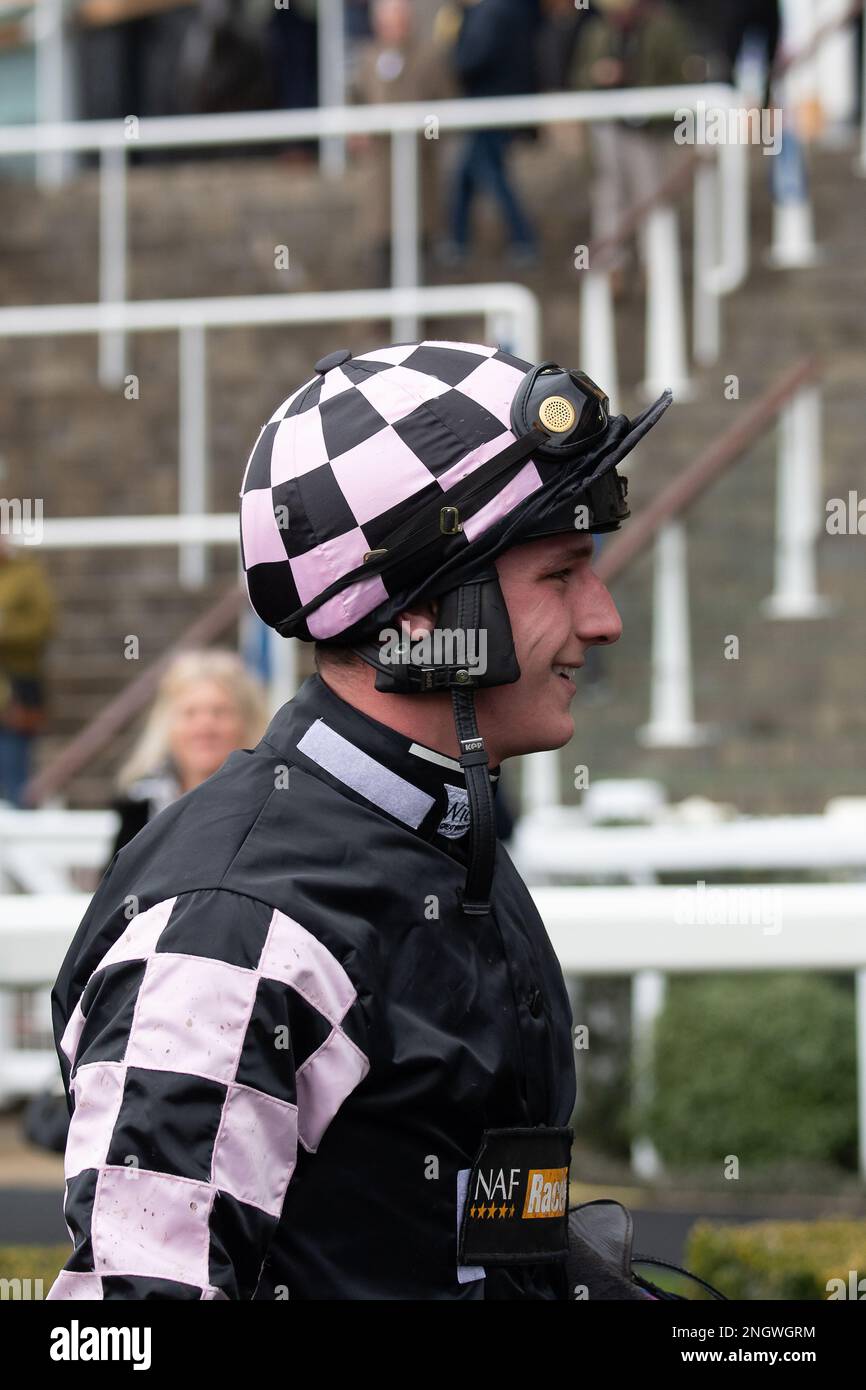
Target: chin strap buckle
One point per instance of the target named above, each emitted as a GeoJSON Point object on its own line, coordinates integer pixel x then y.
{"type": "Point", "coordinates": [474, 753]}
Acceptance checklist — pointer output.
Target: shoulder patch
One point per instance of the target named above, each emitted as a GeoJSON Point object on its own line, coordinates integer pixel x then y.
{"type": "Point", "coordinates": [455, 822]}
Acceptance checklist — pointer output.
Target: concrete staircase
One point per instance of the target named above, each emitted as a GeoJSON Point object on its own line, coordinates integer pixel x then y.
{"type": "Point", "coordinates": [788, 718]}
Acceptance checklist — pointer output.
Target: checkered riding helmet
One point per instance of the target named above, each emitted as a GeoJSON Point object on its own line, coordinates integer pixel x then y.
{"type": "Point", "coordinates": [405, 472]}
{"type": "Point", "coordinates": [393, 474]}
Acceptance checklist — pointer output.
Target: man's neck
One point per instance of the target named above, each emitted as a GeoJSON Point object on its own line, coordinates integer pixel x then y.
{"type": "Point", "coordinates": [428, 719]}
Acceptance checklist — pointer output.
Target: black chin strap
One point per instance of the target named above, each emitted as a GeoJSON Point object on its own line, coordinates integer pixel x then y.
{"type": "Point", "coordinates": [473, 760]}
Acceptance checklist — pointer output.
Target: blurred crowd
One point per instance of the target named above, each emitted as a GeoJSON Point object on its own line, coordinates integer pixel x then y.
{"type": "Point", "coordinates": [170, 57]}
{"type": "Point", "coordinates": [163, 57]}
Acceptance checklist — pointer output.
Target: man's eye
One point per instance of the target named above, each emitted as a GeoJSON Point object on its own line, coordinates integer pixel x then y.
{"type": "Point", "coordinates": [560, 574]}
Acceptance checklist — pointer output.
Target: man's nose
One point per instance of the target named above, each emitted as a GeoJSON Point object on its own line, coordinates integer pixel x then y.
{"type": "Point", "coordinates": [597, 619]}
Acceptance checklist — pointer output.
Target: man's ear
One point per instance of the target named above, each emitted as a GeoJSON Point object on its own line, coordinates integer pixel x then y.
{"type": "Point", "coordinates": [421, 617]}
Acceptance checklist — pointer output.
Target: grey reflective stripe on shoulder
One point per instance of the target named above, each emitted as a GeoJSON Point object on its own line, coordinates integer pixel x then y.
{"type": "Point", "coordinates": [356, 769]}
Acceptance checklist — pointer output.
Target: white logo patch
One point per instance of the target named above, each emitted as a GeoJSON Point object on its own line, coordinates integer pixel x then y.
{"type": "Point", "coordinates": [455, 822]}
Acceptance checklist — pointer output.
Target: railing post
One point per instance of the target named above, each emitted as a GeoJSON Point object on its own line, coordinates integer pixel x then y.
{"type": "Point", "coordinates": [192, 425]}
{"type": "Point", "coordinates": [706, 317]}
{"type": "Point", "coordinates": [798, 509]}
{"type": "Point", "coordinates": [836, 70]}
{"type": "Point", "coordinates": [665, 338]}
{"type": "Point", "coordinates": [671, 723]}
{"type": "Point", "coordinates": [540, 781]}
{"type": "Point", "coordinates": [112, 258]}
{"type": "Point", "coordinates": [793, 245]}
{"type": "Point", "coordinates": [283, 666]}
{"type": "Point", "coordinates": [6, 884]}
{"type": "Point", "coordinates": [405, 260]}
{"type": "Point", "coordinates": [734, 233]}
{"type": "Point", "coordinates": [598, 332]}
{"type": "Point", "coordinates": [332, 80]}
{"type": "Point", "coordinates": [647, 999]}
{"type": "Point", "coordinates": [8, 1043]}
{"type": "Point", "coordinates": [49, 58]}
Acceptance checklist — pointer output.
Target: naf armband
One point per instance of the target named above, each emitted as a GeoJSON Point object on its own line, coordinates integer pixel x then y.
{"type": "Point", "coordinates": [516, 1209]}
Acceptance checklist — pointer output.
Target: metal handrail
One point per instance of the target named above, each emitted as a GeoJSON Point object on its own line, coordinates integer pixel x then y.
{"type": "Point", "coordinates": [384, 118]}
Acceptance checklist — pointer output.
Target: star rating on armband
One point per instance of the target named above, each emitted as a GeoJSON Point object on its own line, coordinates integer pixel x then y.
{"type": "Point", "coordinates": [491, 1212]}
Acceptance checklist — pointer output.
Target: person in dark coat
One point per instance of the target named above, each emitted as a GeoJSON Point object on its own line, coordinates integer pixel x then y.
{"type": "Point", "coordinates": [494, 54]}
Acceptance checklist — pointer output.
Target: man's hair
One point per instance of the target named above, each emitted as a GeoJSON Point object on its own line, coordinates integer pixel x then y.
{"type": "Point", "coordinates": [334, 655]}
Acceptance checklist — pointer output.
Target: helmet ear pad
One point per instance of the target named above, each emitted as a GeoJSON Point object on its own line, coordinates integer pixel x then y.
{"type": "Point", "coordinates": [502, 667]}
{"type": "Point", "coordinates": [491, 642]}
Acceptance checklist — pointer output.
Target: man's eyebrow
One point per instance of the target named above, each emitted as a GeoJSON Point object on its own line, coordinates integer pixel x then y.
{"type": "Point", "coordinates": [576, 550]}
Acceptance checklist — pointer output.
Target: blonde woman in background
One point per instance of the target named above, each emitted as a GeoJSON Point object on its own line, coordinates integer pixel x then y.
{"type": "Point", "coordinates": [207, 704]}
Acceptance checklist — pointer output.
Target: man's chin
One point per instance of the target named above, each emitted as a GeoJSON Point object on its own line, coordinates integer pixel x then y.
{"type": "Point", "coordinates": [554, 733]}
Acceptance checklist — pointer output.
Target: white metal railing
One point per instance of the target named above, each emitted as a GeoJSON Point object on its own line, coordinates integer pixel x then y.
{"type": "Point", "coordinates": [557, 843]}
{"type": "Point", "coordinates": [640, 932]}
{"type": "Point", "coordinates": [35, 933]}
{"type": "Point", "coordinates": [40, 850]}
{"type": "Point", "coordinates": [721, 214]}
{"type": "Point", "coordinates": [800, 511]}
{"type": "Point", "coordinates": [404, 123]}
{"type": "Point", "coordinates": [634, 931]}
{"type": "Point", "coordinates": [671, 722]}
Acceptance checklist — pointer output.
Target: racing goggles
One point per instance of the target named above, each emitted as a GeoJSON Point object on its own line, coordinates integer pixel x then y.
{"type": "Point", "coordinates": [568, 405]}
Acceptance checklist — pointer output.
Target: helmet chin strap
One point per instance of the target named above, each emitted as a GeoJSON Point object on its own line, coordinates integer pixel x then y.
{"type": "Point", "coordinates": [473, 760]}
{"type": "Point", "coordinates": [482, 820]}
{"type": "Point", "coordinates": [473, 606]}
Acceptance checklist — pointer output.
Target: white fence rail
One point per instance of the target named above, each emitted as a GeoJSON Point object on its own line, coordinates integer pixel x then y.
{"type": "Point", "coordinates": [636, 932]}
{"type": "Point", "coordinates": [556, 843]}
{"type": "Point", "coordinates": [40, 850]}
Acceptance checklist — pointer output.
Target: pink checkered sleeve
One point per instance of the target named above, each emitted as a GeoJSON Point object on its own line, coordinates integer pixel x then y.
{"type": "Point", "coordinates": [215, 1038]}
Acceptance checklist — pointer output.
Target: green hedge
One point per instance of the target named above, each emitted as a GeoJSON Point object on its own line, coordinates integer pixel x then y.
{"type": "Point", "coordinates": [33, 1262]}
{"type": "Point", "coordinates": [779, 1259]}
{"type": "Point", "coordinates": [760, 1066]}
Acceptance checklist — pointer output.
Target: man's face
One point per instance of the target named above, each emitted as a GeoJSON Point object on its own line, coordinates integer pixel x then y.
{"type": "Point", "coordinates": [558, 609]}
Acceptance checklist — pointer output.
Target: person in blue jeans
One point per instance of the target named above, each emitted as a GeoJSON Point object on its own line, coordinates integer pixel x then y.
{"type": "Point", "coordinates": [483, 166]}
{"type": "Point", "coordinates": [494, 54]}
{"type": "Point", "coordinates": [14, 765]}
